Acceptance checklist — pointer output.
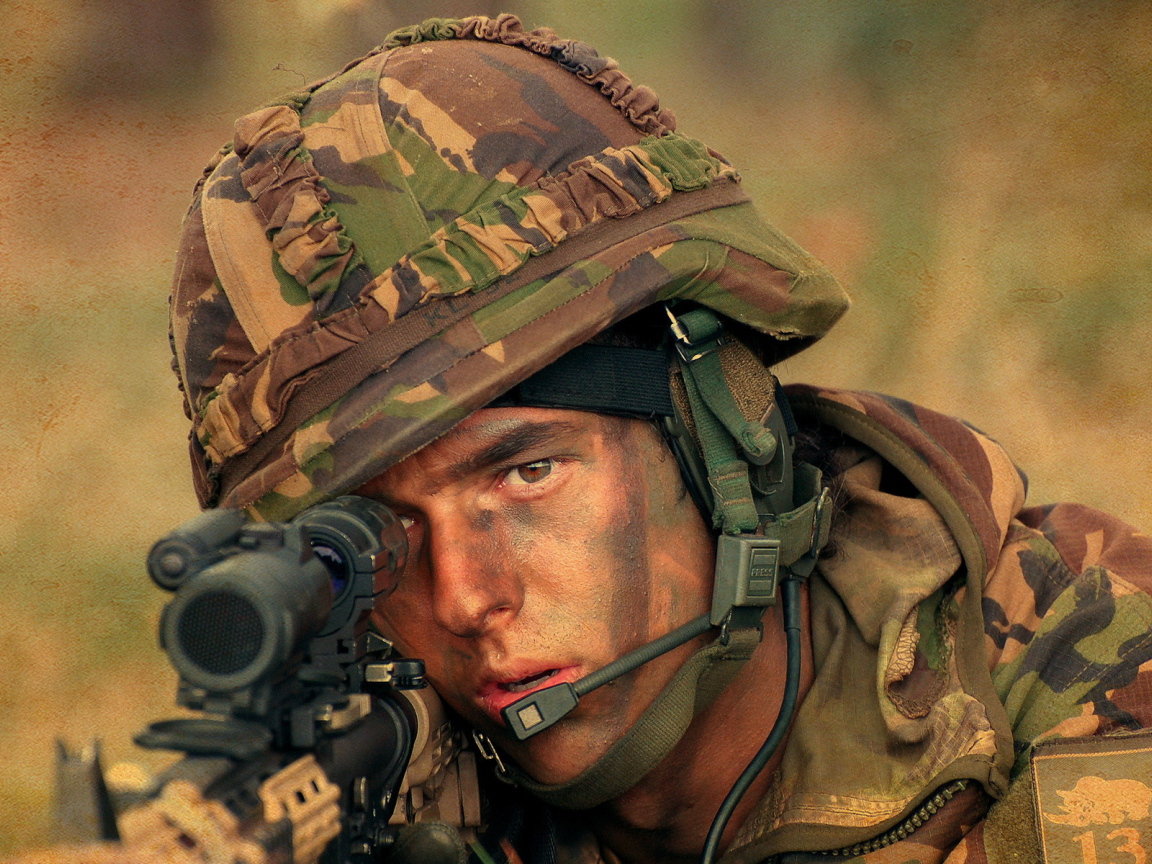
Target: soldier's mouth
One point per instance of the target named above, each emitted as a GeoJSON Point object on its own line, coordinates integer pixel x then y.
{"type": "Point", "coordinates": [525, 684]}
{"type": "Point", "coordinates": [501, 691]}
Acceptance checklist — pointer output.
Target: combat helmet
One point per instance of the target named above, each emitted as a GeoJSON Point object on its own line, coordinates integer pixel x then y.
{"type": "Point", "coordinates": [380, 254]}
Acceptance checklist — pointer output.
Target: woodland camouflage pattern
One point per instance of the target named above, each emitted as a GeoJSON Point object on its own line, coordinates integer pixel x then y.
{"type": "Point", "coordinates": [392, 196]}
{"type": "Point", "coordinates": [1061, 647]}
{"type": "Point", "coordinates": [1062, 634]}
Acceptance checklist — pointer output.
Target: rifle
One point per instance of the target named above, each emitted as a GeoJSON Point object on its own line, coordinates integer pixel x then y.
{"type": "Point", "coordinates": [317, 742]}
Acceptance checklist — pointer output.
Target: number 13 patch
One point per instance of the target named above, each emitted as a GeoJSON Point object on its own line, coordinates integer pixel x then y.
{"type": "Point", "coordinates": [1093, 797]}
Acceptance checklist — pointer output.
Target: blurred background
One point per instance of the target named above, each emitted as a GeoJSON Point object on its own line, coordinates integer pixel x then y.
{"type": "Point", "coordinates": [977, 173]}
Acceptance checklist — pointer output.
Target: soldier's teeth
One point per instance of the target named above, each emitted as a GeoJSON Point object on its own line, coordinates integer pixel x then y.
{"type": "Point", "coordinates": [527, 683]}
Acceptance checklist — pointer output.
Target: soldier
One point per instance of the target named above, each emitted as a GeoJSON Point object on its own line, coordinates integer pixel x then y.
{"type": "Point", "coordinates": [478, 276]}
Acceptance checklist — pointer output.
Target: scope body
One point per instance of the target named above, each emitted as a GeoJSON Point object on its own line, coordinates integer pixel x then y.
{"type": "Point", "coordinates": [234, 625]}
{"type": "Point", "coordinates": [268, 632]}
{"type": "Point", "coordinates": [257, 602]}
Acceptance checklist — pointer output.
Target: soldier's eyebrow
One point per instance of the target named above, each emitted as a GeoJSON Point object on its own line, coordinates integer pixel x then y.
{"type": "Point", "coordinates": [511, 442]}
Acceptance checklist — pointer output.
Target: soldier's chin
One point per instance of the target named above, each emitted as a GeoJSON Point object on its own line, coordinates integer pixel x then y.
{"type": "Point", "coordinates": [565, 751]}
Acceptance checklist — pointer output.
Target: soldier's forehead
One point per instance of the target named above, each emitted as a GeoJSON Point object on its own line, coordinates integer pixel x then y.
{"type": "Point", "coordinates": [491, 437]}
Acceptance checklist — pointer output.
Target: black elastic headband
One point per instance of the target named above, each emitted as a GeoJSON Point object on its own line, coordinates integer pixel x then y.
{"type": "Point", "coordinates": [608, 379]}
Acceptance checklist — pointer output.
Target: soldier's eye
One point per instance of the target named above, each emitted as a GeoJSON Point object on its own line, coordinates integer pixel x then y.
{"type": "Point", "coordinates": [532, 472]}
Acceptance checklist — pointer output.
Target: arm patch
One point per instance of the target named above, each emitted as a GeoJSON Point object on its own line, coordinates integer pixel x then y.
{"type": "Point", "coordinates": [1093, 797]}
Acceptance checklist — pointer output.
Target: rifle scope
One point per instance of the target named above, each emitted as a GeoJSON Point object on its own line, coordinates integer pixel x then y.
{"type": "Point", "coordinates": [249, 595]}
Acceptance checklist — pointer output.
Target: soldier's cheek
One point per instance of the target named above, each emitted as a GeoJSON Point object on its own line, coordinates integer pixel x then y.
{"type": "Point", "coordinates": [405, 616]}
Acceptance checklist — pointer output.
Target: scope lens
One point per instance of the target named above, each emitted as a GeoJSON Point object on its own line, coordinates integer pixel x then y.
{"type": "Point", "coordinates": [221, 632]}
{"type": "Point", "coordinates": [336, 565]}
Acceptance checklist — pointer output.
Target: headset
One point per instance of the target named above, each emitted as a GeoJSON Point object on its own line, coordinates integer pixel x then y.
{"type": "Point", "coordinates": [772, 513]}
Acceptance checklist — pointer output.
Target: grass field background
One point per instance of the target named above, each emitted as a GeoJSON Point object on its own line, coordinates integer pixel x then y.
{"type": "Point", "coordinates": [977, 174]}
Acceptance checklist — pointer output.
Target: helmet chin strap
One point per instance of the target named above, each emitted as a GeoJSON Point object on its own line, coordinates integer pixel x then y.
{"type": "Point", "coordinates": [698, 682]}
{"type": "Point", "coordinates": [775, 518]}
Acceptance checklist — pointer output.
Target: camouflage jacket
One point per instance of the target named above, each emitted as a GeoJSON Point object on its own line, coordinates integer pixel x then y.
{"type": "Point", "coordinates": [956, 635]}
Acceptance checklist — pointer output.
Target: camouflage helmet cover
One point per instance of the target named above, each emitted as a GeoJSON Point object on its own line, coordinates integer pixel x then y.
{"type": "Point", "coordinates": [377, 256]}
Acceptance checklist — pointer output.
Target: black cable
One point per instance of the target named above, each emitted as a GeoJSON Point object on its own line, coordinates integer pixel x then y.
{"type": "Point", "coordinates": [638, 657]}
{"type": "Point", "coordinates": [790, 602]}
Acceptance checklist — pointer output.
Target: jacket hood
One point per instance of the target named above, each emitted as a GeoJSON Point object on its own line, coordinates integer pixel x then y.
{"type": "Point", "coordinates": [377, 256]}
{"type": "Point", "coordinates": [902, 702]}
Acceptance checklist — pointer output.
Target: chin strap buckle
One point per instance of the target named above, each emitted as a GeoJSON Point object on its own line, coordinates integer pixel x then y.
{"type": "Point", "coordinates": [696, 336]}
{"type": "Point", "coordinates": [489, 753]}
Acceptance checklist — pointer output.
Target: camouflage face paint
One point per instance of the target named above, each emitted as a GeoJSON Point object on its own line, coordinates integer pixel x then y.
{"type": "Point", "coordinates": [574, 569]}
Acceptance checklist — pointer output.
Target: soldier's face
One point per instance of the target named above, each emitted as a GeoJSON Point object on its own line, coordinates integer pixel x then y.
{"type": "Point", "coordinates": [544, 544]}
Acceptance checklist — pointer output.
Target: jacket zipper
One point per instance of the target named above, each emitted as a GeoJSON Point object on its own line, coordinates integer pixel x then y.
{"type": "Point", "coordinates": [922, 814]}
